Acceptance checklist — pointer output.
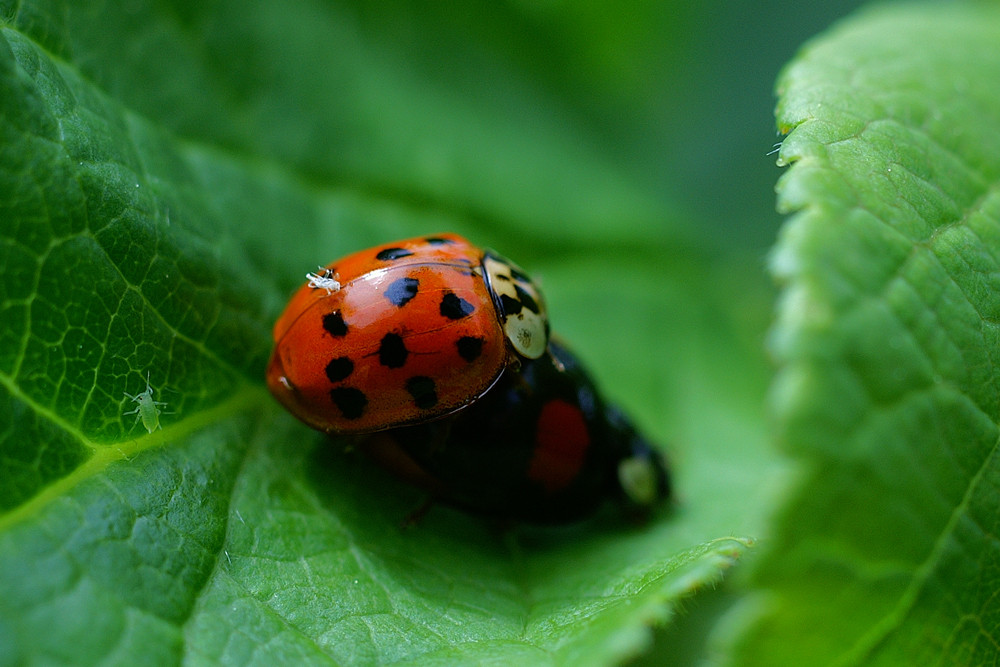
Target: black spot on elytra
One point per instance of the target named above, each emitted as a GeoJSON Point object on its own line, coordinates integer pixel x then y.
{"type": "Point", "coordinates": [423, 391]}
{"type": "Point", "coordinates": [400, 291]}
{"type": "Point", "coordinates": [436, 240]}
{"type": "Point", "coordinates": [339, 369]}
{"type": "Point", "coordinates": [334, 324]}
{"type": "Point", "coordinates": [390, 254]}
{"type": "Point", "coordinates": [350, 400]}
{"type": "Point", "coordinates": [469, 347]}
{"type": "Point", "coordinates": [455, 307]}
{"type": "Point", "coordinates": [392, 351]}
{"type": "Point", "coordinates": [509, 305]}
{"type": "Point", "coordinates": [526, 300]}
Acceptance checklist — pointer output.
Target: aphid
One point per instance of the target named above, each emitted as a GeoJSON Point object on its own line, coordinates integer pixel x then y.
{"type": "Point", "coordinates": [146, 408]}
{"type": "Point", "coordinates": [324, 279]}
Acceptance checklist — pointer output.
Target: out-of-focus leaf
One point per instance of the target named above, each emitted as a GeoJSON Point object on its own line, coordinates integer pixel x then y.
{"type": "Point", "coordinates": [888, 347]}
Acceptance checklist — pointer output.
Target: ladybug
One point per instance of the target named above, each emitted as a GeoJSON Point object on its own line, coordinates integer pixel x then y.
{"type": "Point", "coordinates": [435, 357]}
{"type": "Point", "coordinates": [540, 446]}
{"type": "Point", "coordinates": [403, 333]}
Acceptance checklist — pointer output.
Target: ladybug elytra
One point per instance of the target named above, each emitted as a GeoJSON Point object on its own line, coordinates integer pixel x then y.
{"type": "Point", "coordinates": [403, 333]}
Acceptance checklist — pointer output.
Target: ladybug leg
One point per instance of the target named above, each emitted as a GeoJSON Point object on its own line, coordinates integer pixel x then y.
{"type": "Point", "coordinates": [439, 433]}
{"type": "Point", "coordinates": [387, 449]}
{"type": "Point", "coordinates": [418, 514]}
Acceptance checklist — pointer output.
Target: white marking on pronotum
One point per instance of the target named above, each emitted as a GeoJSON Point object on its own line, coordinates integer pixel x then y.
{"type": "Point", "coordinates": [324, 279]}
{"type": "Point", "coordinates": [146, 409]}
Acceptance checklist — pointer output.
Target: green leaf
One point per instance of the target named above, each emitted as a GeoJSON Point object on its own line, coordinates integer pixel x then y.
{"type": "Point", "coordinates": [888, 346]}
{"type": "Point", "coordinates": [168, 173]}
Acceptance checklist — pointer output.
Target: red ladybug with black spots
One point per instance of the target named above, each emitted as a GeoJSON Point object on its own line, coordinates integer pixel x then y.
{"type": "Point", "coordinates": [403, 333]}
{"type": "Point", "coordinates": [438, 353]}
{"type": "Point", "coordinates": [540, 446]}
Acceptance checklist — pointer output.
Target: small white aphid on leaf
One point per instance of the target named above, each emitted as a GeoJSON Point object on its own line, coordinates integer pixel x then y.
{"type": "Point", "coordinates": [146, 408]}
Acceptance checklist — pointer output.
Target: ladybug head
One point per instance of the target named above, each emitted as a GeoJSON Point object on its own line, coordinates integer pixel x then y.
{"type": "Point", "coordinates": [642, 475]}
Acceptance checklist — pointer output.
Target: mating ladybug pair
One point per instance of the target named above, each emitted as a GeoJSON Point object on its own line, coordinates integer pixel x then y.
{"type": "Point", "coordinates": [438, 355]}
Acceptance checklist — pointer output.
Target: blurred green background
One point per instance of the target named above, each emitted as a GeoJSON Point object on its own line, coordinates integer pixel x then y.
{"type": "Point", "coordinates": [411, 101]}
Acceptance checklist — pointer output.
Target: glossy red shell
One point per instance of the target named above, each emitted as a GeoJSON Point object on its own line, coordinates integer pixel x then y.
{"type": "Point", "coordinates": [410, 335]}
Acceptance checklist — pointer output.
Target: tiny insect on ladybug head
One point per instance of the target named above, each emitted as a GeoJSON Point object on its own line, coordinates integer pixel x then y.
{"type": "Point", "coordinates": [403, 333]}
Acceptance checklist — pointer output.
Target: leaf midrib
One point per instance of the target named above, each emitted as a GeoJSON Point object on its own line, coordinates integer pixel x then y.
{"type": "Point", "coordinates": [245, 398]}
